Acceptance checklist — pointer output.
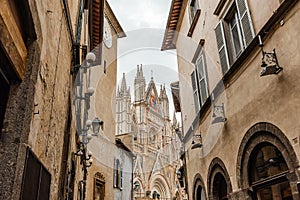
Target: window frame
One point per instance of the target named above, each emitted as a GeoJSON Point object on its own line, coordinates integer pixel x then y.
{"type": "Point", "coordinates": [199, 57]}
{"type": "Point", "coordinates": [234, 14]}
{"type": "Point", "coordinates": [99, 186]}
{"type": "Point", "coordinates": [195, 90]}
{"type": "Point", "coordinates": [204, 78]}
{"type": "Point", "coordinates": [224, 34]}
{"type": "Point", "coordinates": [118, 174]}
{"type": "Point", "coordinates": [193, 7]}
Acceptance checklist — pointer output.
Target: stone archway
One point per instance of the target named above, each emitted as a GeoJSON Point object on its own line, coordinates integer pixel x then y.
{"type": "Point", "coordinates": [218, 182]}
{"type": "Point", "coordinates": [138, 188]}
{"type": "Point", "coordinates": [199, 192]}
{"type": "Point", "coordinates": [261, 136]}
{"type": "Point", "coordinates": [160, 186]}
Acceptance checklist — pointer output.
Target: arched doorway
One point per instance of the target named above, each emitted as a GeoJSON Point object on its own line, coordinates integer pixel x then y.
{"type": "Point", "coordinates": [219, 185]}
{"type": "Point", "coordinates": [267, 173]}
{"type": "Point", "coordinates": [159, 187]}
{"type": "Point", "coordinates": [267, 164]}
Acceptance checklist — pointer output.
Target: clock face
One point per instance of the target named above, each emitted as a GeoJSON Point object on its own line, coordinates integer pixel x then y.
{"type": "Point", "coordinates": [107, 36]}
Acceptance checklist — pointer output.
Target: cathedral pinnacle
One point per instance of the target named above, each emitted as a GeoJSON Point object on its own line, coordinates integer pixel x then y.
{"type": "Point", "coordinates": [123, 90]}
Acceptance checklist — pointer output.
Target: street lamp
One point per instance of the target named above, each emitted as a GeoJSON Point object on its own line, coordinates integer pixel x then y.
{"type": "Point", "coordinates": [86, 128]}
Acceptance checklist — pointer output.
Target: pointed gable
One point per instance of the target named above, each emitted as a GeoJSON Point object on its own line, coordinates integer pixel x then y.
{"type": "Point", "coordinates": [152, 95]}
{"type": "Point", "coordinates": [158, 165]}
{"type": "Point", "coordinates": [138, 169]}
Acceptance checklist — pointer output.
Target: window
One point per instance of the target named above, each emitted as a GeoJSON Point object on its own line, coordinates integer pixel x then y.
{"type": "Point", "coordinates": [195, 91]}
{"type": "Point", "coordinates": [118, 175]}
{"type": "Point", "coordinates": [36, 178]}
{"type": "Point", "coordinates": [104, 66]}
{"type": "Point", "coordinates": [267, 174]}
{"type": "Point", "coordinates": [99, 187]}
{"type": "Point", "coordinates": [193, 9]}
{"type": "Point", "coordinates": [199, 82]}
{"type": "Point", "coordinates": [234, 33]}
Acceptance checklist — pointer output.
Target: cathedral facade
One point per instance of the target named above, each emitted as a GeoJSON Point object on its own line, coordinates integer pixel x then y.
{"type": "Point", "coordinates": [145, 127]}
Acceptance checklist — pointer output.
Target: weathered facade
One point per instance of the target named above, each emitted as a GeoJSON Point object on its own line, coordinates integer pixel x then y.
{"type": "Point", "coordinates": [36, 54]}
{"type": "Point", "coordinates": [105, 149]}
{"type": "Point", "coordinates": [145, 127]}
{"type": "Point", "coordinates": [42, 46]}
{"type": "Point", "coordinates": [239, 102]}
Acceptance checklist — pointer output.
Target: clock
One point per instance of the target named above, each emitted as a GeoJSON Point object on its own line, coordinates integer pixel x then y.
{"type": "Point", "coordinates": [107, 36]}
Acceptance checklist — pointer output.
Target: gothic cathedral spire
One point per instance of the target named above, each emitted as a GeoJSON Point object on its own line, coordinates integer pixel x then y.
{"type": "Point", "coordinates": [123, 106]}
{"type": "Point", "coordinates": [139, 84]}
{"type": "Point", "coordinates": [164, 102]}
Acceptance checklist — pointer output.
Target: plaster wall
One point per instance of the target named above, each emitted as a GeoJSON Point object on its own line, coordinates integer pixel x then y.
{"type": "Point", "coordinates": [248, 98]}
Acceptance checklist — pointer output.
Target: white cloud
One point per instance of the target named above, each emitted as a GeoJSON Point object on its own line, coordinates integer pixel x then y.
{"type": "Point", "coordinates": [136, 14]}
{"type": "Point", "coordinates": [144, 22]}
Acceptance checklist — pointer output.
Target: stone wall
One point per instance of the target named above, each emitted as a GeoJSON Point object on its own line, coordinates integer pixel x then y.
{"type": "Point", "coordinates": [38, 106]}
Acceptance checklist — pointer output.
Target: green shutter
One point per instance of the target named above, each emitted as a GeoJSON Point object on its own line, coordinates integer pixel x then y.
{"type": "Point", "coordinates": [245, 21]}
{"type": "Point", "coordinates": [222, 48]}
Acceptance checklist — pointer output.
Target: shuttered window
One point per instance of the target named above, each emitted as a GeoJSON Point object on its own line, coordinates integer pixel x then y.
{"type": "Point", "coordinates": [236, 37]}
{"type": "Point", "coordinates": [245, 21]}
{"type": "Point", "coordinates": [232, 40]}
{"type": "Point", "coordinates": [222, 48]}
{"type": "Point", "coordinates": [195, 91]}
{"type": "Point", "coordinates": [193, 9]}
{"type": "Point", "coordinates": [202, 80]}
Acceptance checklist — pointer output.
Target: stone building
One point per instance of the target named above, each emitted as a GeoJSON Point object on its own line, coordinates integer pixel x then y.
{"type": "Point", "coordinates": [42, 45]}
{"type": "Point", "coordinates": [36, 58]}
{"type": "Point", "coordinates": [239, 96]}
{"type": "Point", "coordinates": [109, 176]}
{"type": "Point", "coordinates": [145, 127]}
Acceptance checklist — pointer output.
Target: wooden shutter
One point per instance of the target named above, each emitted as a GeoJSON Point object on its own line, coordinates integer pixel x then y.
{"type": "Point", "coordinates": [195, 91]}
{"type": "Point", "coordinates": [222, 48]}
{"type": "Point", "coordinates": [115, 172]}
{"type": "Point", "coordinates": [203, 89]}
{"type": "Point", "coordinates": [36, 178]}
{"type": "Point", "coordinates": [245, 21]}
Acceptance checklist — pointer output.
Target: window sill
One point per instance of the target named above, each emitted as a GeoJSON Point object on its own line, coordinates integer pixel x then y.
{"type": "Point", "coordinates": [194, 22]}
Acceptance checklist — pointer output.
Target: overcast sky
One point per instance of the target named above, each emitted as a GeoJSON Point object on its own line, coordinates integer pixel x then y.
{"type": "Point", "coordinates": [144, 23]}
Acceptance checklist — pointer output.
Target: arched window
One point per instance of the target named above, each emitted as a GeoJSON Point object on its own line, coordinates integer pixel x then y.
{"type": "Point", "coordinates": [267, 173]}
{"type": "Point", "coordinates": [219, 185]}
{"type": "Point", "coordinates": [199, 191]}
{"type": "Point", "coordinates": [267, 164]}
{"type": "Point", "coordinates": [118, 174]}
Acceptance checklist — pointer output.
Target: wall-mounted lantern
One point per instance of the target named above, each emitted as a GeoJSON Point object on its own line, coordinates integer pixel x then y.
{"type": "Point", "coordinates": [269, 61]}
{"type": "Point", "coordinates": [197, 141]}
